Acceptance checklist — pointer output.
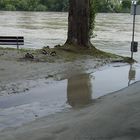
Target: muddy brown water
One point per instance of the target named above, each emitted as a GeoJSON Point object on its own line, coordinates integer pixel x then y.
{"type": "Point", "coordinates": [113, 31]}
{"type": "Point", "coordinates": [40, 29]}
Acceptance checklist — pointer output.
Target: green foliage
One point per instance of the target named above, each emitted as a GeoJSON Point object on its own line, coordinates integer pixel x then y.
{"type": "Point", "coordinates": [109, 6]}
{"type": "Point", "coordinates": [138, 2]}
{"type": "Point", "coordinates": [10, 7]}
{"type": "Point", "coordinates": [93, 11]}
{"type": "Point", "coordinates": [114, 6]}
{"type": "Point", "coordinates": [62, 5]}
{"type": "Point", "coordinates": [41, 7]}
{"type": "Point", "coordinates": [34, 5]}
{"type": "Point", "coordinates": [126, 4]}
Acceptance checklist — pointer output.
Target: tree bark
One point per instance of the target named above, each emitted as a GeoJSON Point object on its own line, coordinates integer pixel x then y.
{"type": "Point", "coordinates": [78, 23]}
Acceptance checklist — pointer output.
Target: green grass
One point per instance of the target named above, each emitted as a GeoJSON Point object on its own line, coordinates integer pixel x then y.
{"type": "Point", "coordinates": [15, 49]}
{"type": "Point", "coordinates": [71, 53]}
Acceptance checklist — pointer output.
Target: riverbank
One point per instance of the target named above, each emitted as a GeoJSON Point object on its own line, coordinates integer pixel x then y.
{"type": "Point", "coordinates": [20, 75]}
{"type": "Point", "coordinates": [112, 117]}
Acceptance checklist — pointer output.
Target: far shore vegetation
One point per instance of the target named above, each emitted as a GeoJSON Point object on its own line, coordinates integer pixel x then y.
{"type": "Point", "coordinates": [62, 5]}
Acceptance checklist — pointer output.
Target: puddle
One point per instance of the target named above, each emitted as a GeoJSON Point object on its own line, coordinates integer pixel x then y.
{"type": "Point", "coordinates": [57, 96]}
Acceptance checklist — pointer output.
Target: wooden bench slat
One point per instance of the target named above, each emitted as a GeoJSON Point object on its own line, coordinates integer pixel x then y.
{"type": "Point", "coordinates": [11, 43]}
{"type": "Point", "coordinates": [11, 37]}
{"type": "Point", "coordinates": [1, 40]}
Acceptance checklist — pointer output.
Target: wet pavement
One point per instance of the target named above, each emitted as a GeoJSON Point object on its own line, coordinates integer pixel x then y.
{"type": "Point", "coordinates": [50, 96]}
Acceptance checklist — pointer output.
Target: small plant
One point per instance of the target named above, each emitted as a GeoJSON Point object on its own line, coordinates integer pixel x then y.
{"type": "Point", "coordinates": [93, 10]}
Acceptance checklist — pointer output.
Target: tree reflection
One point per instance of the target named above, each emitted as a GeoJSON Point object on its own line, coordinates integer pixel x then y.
{"type": "Point", "coordinates": [79, 90]}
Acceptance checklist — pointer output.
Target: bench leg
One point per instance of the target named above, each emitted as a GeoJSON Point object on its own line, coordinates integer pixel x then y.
{"type": "Point", "coordinates": [18, 47]}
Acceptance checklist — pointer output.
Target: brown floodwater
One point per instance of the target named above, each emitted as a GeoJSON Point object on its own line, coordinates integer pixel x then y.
{"type": "Point", "coordinates": [113, 30]}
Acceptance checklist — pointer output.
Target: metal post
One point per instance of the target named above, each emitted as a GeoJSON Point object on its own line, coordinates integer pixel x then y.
{"type": "Point", "coordinates": [133, 34]}
{"type": "Point", "coordinates": [17, 44]}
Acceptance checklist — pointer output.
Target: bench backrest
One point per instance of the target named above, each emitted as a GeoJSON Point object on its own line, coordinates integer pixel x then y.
{"type": "Point", "coordinates": [11, 40]}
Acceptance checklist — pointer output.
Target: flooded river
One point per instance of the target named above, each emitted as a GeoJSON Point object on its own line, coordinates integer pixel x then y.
{"type": "Point", "coordinates": [113, 34]}
{"type": "Point", "coordinates": [113, 31]}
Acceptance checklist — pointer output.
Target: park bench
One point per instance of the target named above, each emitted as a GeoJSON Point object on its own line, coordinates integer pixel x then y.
{"type": "Point", "coordinates": [12, 40]}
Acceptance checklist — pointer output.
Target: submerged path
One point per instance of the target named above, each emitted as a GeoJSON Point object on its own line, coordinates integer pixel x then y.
{"type": "Point", "coordinates": [115, 116]}
{"type": "Point", "coordinates": [48, 96]}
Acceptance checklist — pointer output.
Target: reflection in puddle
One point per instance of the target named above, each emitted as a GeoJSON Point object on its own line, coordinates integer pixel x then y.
{"type": "Point", "coordinates": [83, 89]}
{"type": "Point", "coordinates": [56, 96]}
{"type": "Point", "coordinates": [113, 79]}
{"type": "Point", "coordinates": [79, 90]}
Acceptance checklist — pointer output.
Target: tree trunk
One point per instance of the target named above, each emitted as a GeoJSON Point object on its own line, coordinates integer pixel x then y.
{"type": "Point", "coordinates": [78, 23]}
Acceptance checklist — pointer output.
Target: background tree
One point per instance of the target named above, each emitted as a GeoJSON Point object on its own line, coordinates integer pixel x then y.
{"type": "Point", "coordinates": [34, 5]}
{"type": "Point", "coordinates": [126, 5]}
{"type": "Point", "coordinates": [62, 5]}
